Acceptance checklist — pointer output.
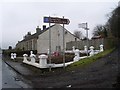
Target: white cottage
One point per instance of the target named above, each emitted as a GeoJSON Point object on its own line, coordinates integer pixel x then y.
{"type": "Point", "coordinates": [56, 39]}
{"type": "Point", "coordinates": [40, 40]}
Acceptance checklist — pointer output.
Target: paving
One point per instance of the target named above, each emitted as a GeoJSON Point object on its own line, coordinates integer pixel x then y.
{"type": "Point", "coordinates": [18, 67]}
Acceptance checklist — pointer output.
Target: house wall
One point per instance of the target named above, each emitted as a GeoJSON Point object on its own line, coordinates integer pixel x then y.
{"type": "Point", "coordinates": [27, 45]}
{"type": "Point", "coordinates": [56, 39]}
{"type": "Point", "coordinates": [41, 44]}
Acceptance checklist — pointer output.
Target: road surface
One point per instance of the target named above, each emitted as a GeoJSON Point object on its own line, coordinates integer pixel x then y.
{"type": "Point", "coordinates": [9, 78]}
{"type": "Point", "coordinates": [0, 71]}
{"type": "Point", "coordinates": [99, 74]}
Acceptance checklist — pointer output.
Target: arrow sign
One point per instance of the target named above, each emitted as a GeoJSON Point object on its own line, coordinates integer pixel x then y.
{"type": "Point", "coordinates": [56, 20]}
{"type": "Point", "coordinates": [46, 19]}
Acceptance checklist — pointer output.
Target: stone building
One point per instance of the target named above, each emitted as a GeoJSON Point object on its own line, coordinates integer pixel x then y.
{"type": "Point", "coordinates": [29, 41]}
{"type": "Point", "coordinates": [40, 40]}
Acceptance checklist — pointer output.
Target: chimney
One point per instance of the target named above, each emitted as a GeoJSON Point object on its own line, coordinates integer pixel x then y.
{"type": "Point", "coordinates": [38, 29]}
{"type": "Point", "coordinates": [28, 33]}
{"type": "Point", "coordinates": [44, 27]}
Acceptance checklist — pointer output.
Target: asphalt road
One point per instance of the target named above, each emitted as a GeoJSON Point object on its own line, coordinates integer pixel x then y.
{"type": "Point", "coordinates": [100, 74]}
{"type": "Point", "coordinates": [10, 79]}
{"type": "Point", "coordinates": [0, 71]}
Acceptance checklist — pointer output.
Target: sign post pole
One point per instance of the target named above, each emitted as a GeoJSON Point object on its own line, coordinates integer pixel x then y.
{"type": "Point", "coordinates": [85, 26]}
{"type": "Point", "coordinates": [63, 46]}
{"type": "Point", "coordinates": [49, 45]}
{"type": "Point", "coordinates": [87, 37]}
{"type": "Point", "coordinates": [58, 21]}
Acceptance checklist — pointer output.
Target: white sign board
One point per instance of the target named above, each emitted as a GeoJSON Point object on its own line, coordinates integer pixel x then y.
{"type": "Point", "coordinates": [82, 25]}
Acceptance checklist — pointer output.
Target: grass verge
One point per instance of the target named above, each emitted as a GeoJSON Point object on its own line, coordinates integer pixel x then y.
{"type": "Point", "coordinates": [86, 61]}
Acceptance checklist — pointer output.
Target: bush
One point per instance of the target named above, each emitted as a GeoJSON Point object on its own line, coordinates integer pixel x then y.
{"type": "Point", "coordinates": [18, 52]}
{"type": "Point", "coordinates": [59, 59]}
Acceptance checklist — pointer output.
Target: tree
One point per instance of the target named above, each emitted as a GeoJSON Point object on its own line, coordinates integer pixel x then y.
{"type": "Point", "coordinates": [100, 30]}
{"type": "Point", "coordinates": [78, 34]}
{"type": "Point", "coordinates": [85, 38]}
{"type": "Point", "coordinates": [114, 22]}
{"type": "Point", "coordinates": [10, 47]}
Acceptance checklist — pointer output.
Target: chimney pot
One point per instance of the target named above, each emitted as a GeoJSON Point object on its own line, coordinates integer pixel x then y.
{"type": "Point", "coordinates": [38, 29]}
{"type": "Point", "coordinates": [44, 27]}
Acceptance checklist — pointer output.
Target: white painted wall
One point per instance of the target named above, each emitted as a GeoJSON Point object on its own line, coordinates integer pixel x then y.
{"type": "Point", "coordinates": [43, 39]}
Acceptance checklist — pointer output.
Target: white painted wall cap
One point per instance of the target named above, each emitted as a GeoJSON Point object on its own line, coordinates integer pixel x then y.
{"type": "Point", "coordinates": [43, 56]}
{"type": "Point", "coordinates": [24, 55]}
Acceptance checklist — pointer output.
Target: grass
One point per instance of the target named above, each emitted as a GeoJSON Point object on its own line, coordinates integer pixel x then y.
{"type": "Point", "coordinates": [86, 61]}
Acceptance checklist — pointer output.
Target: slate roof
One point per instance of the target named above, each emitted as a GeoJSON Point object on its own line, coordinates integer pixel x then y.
{"type": "Point", "coordinates": [35, 35]}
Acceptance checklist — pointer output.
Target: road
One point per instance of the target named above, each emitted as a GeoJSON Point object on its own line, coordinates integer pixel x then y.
{"type": "Point", "coordinates": [0, 72]}
{"type": "Point", "coordinates": [9, 78]}
{"type": "Point", "coordinates": [99, 74]}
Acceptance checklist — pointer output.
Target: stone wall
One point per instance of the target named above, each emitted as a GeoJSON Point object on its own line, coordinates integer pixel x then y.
{"type": "Point", "coordinates": [81, 44]}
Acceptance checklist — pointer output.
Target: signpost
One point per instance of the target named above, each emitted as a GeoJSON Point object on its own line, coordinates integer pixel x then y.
{"type": "Point", "coordinates": [85, 26]}
{"type": "Point", "coordinates": [63, 46]}
{"type": "Point", "coordinates": [82, 25]}
{"type": "Point", "coordinates": [58, 21]}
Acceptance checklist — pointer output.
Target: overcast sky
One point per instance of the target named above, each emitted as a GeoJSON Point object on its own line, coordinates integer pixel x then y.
{"type": "Point", "coordinates": [20, 17]}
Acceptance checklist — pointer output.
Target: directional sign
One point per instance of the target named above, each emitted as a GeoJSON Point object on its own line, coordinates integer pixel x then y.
{"type": "Point", "coordinates": [46, 20]}
{"type": "Point", "coordinates": [56, 20]}
{"type": "Point", "coordinates": [82, 25]}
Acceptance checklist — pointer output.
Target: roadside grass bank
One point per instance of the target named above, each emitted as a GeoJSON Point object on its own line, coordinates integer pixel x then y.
{"type": "Point", "coordinates": [89, 60]}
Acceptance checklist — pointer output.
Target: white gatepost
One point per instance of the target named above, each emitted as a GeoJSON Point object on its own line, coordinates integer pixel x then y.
{"type": "Point", "coordinates": [32, 57]}
{"type": "Point", "coordinates": [91, 50]}
{"type": "Point", "coordinates": [12, 56]}
{"type": "Point", "coordinates": [77, 56]}
{"type": "Point", "coordinates": [43, 61]}
{"type": "Point", "coordinates": [48, 51]}
{"type": "Point", "coordinates": [25, 58]}
{"type": "Point", "coordinates": [101, 48]}
{"type": "Point", "coordinates": [85, 48]}
{"type": "Point", "coordinates": [73, 48]}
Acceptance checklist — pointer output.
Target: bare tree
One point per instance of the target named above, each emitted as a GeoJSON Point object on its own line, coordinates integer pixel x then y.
{"type": "Point", "coordinates": [100, 30]}
{"type": "Point", "coordinates": [78, 34]}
